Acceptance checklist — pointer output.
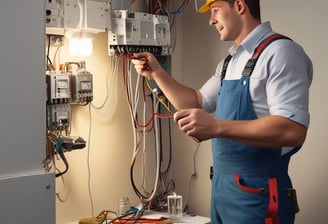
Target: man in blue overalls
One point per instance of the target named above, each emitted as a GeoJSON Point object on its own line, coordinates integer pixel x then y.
{"type": "Point", "coordinates": [260, 93]}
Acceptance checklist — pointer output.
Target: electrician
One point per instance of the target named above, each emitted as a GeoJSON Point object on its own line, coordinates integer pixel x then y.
{"type": "Point", "coordinates": [261, 120]}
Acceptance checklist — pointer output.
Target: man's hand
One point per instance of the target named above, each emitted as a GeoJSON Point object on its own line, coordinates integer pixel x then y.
{"type": "Point", "coordinates": [146, 64]}
{"type": "Point", "coordinates": [196, 123]}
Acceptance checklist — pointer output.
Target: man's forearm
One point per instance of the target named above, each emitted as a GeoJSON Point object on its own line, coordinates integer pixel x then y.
{"type": "Point", "coordinates": [179, 95]}
{"type": "Point", "coordinates": [269, 131]}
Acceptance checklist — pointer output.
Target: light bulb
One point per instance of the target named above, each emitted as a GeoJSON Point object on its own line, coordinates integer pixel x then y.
{"type": "Point", "coordinates": [80, 46]}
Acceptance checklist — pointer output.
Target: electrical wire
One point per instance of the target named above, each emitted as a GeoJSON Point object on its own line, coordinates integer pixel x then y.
{"type": "Point", "coordinates": [58, 194]}
{"type": "Point", "coordinates": [152, 195]}
{"type": "Point", "coordinates": [162, 7]}
{"type": "Point", "coordinates": [170, 147]}
{"type": "Point", "coordinates": [109, 87]}
{"type": "Point", "coordinates": [142, 127]}
{"type": "Point", "coordinates": [63, 158]}
{"type": "Point", "coordinates": [140, 130]}
{"type": "Point", "coordinates": [56, 142]}
{"type": "Point", "coordinates": [88, 163]}
{"type": "Point", "coordinates": [133, 106]}
{"type": "Point", "coordinates": [49, 63]}
{"type": "Point", "coordinates": [196, 6]}
{"type": "Point", "coordinates": [182, 7]}
{"type": "Point", "coordinates": [120, 219]}
{"type": "Point", "coordinates": [194, 173]}
{"type": "Point", "coordinates": [144, 158]}
{"type": "Point", "coordinates": [159, 95]}
{"type": "Point", "coordinates": [56, 65]}
{"type": "Point", "coordinates": [51, 149]}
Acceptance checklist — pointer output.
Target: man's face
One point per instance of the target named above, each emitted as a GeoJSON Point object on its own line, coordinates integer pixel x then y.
{"type": "Point", "coordinates": [225, 19]}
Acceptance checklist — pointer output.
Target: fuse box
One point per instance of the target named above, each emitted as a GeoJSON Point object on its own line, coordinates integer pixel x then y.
{"type": "Point", "coordinates": [133, 32]}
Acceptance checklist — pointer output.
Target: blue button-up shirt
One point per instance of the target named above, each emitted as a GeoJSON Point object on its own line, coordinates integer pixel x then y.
{"type": "Point", "coordinates": [280, 82]}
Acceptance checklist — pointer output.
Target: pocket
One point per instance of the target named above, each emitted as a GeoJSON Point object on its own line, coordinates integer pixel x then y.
{"type": "Point", "coordinates": [240, 195]}
{"type": "Point", "coordinates": [254, 185]}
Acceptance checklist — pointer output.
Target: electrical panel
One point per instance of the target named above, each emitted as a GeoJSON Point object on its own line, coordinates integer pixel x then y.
{"type": "Point", "coordinates": [128, 31]}
{"type": "Point", "coordinates": [133, 32]}
{"type": "Point", "coordinates": [70, 17]}
{"type": "Point", "coordinates": [69, 86]}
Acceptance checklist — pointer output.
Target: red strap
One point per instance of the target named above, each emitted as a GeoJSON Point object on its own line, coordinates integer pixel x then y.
{"type": "Point", "coordinates": [266, 42]}
{"type": "Point", "coordinates": [272, 220]}
{"type": "Point", "coordinates": [272, 217]}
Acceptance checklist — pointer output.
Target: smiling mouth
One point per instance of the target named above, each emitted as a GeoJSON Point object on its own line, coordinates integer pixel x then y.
{"type": "Point", "coordinates": [219, 28]}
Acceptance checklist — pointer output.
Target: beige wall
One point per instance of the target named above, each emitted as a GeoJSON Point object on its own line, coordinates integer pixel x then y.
{"type": "Point", "coordinates": [110, 148]}
{"type": "Point", "coordinates": [197, 44]}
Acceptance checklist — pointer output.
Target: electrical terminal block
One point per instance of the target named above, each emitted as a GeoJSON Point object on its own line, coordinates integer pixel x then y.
{"type": "Point", "coordinates": [133, 32]}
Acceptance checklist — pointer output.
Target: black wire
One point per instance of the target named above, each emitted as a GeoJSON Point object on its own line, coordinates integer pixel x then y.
{"type": "Point", "coordinates": [62, 156]}
{"type": "Point", "coordinates": [160, 138]}
{"type": "Point", "coordinates": [138, 193]}
{"type": "Point", "coordinates": [170, 148]}
{"type": "Point", "coordinates": [48, 51]}
{"type": "Point", "coordinates": [122, 216]}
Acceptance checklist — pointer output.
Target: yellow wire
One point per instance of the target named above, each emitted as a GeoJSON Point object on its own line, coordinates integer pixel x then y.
{"type": "Point", "coordinates": [160, 99]}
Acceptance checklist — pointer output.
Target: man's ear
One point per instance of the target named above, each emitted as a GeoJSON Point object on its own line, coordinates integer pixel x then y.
{"type": "Point", "coordinates": [240, 6]}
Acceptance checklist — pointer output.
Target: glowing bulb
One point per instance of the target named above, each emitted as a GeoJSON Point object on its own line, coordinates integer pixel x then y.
{"type": "Point", "coordinates": [80, 46]}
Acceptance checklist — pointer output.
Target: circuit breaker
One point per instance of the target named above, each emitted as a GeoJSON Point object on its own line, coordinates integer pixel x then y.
{"type": "Point", "coordinates": [58, 117]}
{"type": "Point", "coordinates": [58, 97]}
{"type": "Point", "coordinates": [81, 87]}
{"type": "Point", "coordinates": [133, 32]}
{"type": "Point", "coordinates": [58, 88]}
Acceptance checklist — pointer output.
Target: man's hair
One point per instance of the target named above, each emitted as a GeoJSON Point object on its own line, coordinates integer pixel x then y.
{"type": "Point", "coordinates": [254, 7]}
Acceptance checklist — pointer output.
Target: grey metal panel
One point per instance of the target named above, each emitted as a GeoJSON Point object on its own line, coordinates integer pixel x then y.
{"type": "Point", "coordinates": [22, 86]}
{"type": "Point", "coordinates": [28, 199]}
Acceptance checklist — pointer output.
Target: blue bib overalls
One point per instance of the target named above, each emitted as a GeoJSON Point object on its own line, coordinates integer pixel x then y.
{"type": "Point", "coordinates": [241, 190]}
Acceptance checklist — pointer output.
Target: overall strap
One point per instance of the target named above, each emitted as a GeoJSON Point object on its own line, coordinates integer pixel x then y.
{"type": "Point", "coordinates": [252, 61]}
{"type": "Point", "coordinates": [225, 66]}
{"type": "Point", "coordinates": [248, 70]}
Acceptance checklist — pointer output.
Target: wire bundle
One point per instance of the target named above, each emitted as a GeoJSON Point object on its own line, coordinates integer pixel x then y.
{"type": "Point", "coordinates": [140, 129]}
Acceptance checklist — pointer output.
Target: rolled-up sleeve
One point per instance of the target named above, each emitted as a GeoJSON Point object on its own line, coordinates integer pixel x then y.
{"type": "Point", "coordinates": [288, 84]}
{"type": "Point", "coordinates": [210, 90]}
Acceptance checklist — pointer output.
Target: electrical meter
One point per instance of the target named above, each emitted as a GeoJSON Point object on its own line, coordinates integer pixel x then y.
{"type": "Point", "coordinates": [58, 117]}
{"type": "Point", "coordinates": [81, 87]}
{"type": "Point", "coordinates": [58, 88]}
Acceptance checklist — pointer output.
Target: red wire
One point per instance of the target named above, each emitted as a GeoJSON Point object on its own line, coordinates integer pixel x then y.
{"type": "Point", "coordinates": [150, 122]}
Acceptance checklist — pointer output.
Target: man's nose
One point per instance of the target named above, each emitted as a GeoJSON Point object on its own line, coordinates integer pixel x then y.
{"type": "Point", "coordinates": [213, 22]}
